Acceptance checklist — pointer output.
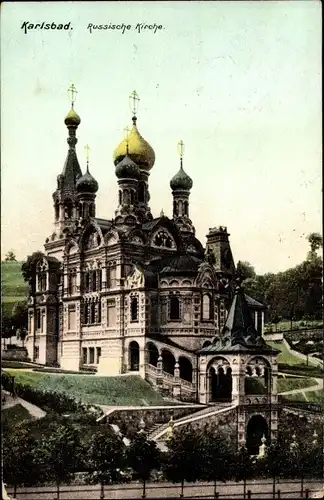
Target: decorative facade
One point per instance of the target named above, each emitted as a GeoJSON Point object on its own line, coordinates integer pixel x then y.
{"type": "Point", "coordinates": [139, 293]}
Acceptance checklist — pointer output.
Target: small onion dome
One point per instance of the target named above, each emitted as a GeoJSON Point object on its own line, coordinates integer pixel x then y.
{"type": "Point", "coordinates": [87, 184]}
{"type": "Point", "coordinates": [127, 169]}
{"type": "Point", "coordinates": [138, 148]}
{"type": "Point", "coordinates": [181, 181]}
{"type": "Point", "coordinates": [72, 118]}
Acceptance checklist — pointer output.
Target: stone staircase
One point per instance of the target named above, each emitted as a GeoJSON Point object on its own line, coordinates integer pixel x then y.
{"type": "Point", "coordinates": [159, 430]}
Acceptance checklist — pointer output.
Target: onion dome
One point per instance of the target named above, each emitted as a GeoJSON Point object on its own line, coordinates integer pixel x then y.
{"type": "Point", "coordinates": [86, 183]}
{"type": "Point", "coordinates": [72, 118]}
{"type": "Point", "coordinates": [127, 169]}
{"type": "Point", "coordinates": [181, 181]}
{"type": "Point", "coordinates": [137, 148]}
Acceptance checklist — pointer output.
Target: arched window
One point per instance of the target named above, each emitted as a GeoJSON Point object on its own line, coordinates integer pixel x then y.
{"type": "Point", "coordinates": [175, 208]}
{"type": "Point", "coordinates": [68, 210]}
{"type": "Point", "coordinates": [206, 307]}
{"type": "Point", "coordinates": [119, 197]}
{"type": "Point", "coordinates": [186, 207]}
{"type": "Point", "coordinates": [174, 308]}
{"type": "Point", "coordinates": [132, 197]}
{"type": "Point", "coordinates": [134, 309]}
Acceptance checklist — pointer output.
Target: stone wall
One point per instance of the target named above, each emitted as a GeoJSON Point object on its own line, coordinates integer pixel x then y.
{"type": "Point", "coordinates": [128, 420]}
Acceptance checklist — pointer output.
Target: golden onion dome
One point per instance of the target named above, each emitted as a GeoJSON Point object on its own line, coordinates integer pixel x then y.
{"type": "Point", "coordinates": [137, 148]}
{"type": "Point", "coordinates": [72, 118]}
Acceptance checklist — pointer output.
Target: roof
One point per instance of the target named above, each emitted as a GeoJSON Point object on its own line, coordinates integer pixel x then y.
{"type": "Point", "coordinates": [183, 264]}
{"type": "Point", "coordinates": [71, 171]}
{"type": "Point", "coordinates": [254, 304]}
{"type": "Point", "coordinates": [239, 333]}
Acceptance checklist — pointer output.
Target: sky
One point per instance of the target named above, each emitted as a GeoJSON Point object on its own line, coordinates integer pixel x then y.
{"type": "Point", "coordinates": [238, 82]}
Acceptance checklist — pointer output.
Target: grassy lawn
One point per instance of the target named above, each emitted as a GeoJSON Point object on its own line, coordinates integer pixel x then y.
{"type": "Point", "coordinates": [285, 356]}
{"type": "Point", "coordinates": [296, 325]}
{"type": "Point", "coordinates": [14, 288]}
{"type": "Point", "coordinates": [315, 396]}
{"type": "Point", "coordinates": [291, 383]}
{"type": "Point", "coordinates": [128, 390]}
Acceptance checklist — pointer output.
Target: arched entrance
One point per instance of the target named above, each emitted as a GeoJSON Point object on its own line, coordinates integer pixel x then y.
{"type": "Point", "coordinates": [220, 380]}
{"type": "Point", "coordinates": [168, 361]}
{"type": "Point", "coordinates": [152, 353]}
{"type": "Point", "coordinates": [206, 343]}
{"type": "Point", "coordinates": [185, 368]}
{"type": "Point", "coordinates": [134, 356]}
{"type": "Point", "coordinates": [256, 428]}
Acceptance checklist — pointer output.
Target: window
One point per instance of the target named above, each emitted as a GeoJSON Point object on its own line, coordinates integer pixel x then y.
{"type": "Point", "coordinates": [92, 313]}
{"type": "Point", "coordinates": [174, 308]}
{"type": "Point", "coordinates": [87, 282]}
{"type": "Point", "coordinates": [94, 280]}
{"type": "Point", "coordinates": [42, 282]}
{"type": "Point", "coordinates": [36, 352]}
{"type": "Point", "coordinates": [57, 211]}
{"type": "Point", "coordinates": [111, 276]}
{"type": "Point", "coordinates": [206, 307]}
{"type": "Point", "coordinates": [134, 309]}
{"type": "Point", "coordinates": [100, 279]}
{"type": "Point", "coordinates": [85, 313]}
{"type": "Point", "coordinates": [84, 355]}
{"type": "Point", "coordinates": [38, 319]}
{"type": "Point", "coordinates": [99, 312]}
{"type": "Point", "coordinates": [111, 312]}
{"type": "Point", "coordinates": [98, 354]}
{"type": "Point", "coordinates": [91, 355]}
{"type": "Point", "coordinates": [71, 317]}
{"type": "Point", "coordinates": [72, 282]}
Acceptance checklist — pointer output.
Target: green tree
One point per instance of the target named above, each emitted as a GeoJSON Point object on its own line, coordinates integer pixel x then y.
{"type": "Point", "coordinates": [216, 458]}
{"type": "Point", "coordinates": [61, 451]}
{"type": "Point", "coordinates": [276, 462]}
{"type": "Point", "coordinates": [316, 242]}
{"type": "Point", "coordinates": [7, 327]}
{"type": "Point", "coordinates": [10, 256]}
{"type": "Point", "coordinates": [245, 269]}
{"type": "Point", "coordinates": [243, 467]}
{"type": "Point", "coordinates": [20, 318]}
{"type": "Point", "coordinates": [184, 459]}
{"type": "Point", "coordinates": [28, 268]}
{"type": "Point", "coordinates": [20, 457]}
{"type": "Point", "coordinates": [142, 456]}
{"type": "Point", "coordinates": [105, 458]}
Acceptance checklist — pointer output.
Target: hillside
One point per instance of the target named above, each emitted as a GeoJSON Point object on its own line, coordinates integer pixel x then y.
{"type": "Point", "coordinates": [92, 389]}
{"type": "Point", "coordinates": [13, 286]}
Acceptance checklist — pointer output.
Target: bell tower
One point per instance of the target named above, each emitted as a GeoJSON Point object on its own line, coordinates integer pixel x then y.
{"type": "Point", "coordinates": [65, 196]}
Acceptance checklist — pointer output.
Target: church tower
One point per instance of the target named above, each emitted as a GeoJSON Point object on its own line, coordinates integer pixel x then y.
{"type": "Point", "coordinates": [86, 187]}
{"type": "Point", "coordinates": [181, 185]}
{"type": "Point", "coordinates": [137, 149]}
{"type": "Point", "coordinates": [65, 196]}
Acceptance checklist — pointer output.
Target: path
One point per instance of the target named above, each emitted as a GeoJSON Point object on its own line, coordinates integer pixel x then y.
{"type": "Point", "coordinates": [34, 411]}
{"type": "Point", "coordinates": [317, 387]}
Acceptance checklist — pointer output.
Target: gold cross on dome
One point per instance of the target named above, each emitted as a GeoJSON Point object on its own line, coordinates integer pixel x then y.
{"type": "Point", "coordinates": [72, 91]}
{"type": "Point", "coordinates": [181, 148]}
{"type": "Point", "coordinates": [126, 132]}
{"type": "Point", "coordinates": [87, 152]}
{"type": "Point", "coordinates": [134, 100]}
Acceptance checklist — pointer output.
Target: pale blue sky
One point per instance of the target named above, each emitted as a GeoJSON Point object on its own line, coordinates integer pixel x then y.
{"type": "Point", "coordinates": [239, 82]}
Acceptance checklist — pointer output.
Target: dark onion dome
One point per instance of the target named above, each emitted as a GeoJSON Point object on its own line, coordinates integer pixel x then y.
{"type": "Point", "coordinates": [72, 118]}
{"type": "Point", "coordinates": [127, 169]}
{"type": "Point", "coordinates": [86, 183]}
{"type": "Point", "coordinates": [181, 181]}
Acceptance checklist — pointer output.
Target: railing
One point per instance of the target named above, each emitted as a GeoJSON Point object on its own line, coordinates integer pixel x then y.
{"type": "Point", "coordinates": [152, 369]}
{"type": "Point", "coordinates": [168, 376]}
{"type": "Point", "coordinates": [260, 489]}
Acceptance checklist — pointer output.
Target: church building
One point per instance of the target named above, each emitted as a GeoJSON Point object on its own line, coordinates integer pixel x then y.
{"type": "Point", "coordinates": [139, 292]}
